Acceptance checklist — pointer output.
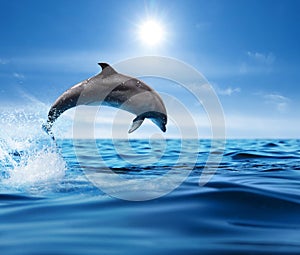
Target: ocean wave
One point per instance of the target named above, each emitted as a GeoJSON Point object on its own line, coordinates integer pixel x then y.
{"type": "Point", "coordinates": [249, 155]}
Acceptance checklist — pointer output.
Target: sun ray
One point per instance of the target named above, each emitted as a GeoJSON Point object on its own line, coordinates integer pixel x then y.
{"type": "Point", "coordinates": [151, 32]}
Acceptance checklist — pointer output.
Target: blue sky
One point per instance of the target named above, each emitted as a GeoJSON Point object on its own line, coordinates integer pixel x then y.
{"type": "Point", "coordinates": [248, 50]}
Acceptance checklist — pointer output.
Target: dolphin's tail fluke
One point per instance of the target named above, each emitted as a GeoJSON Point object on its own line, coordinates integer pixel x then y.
{"type": "Point", "coordinates": [52, 116]}
{"type": "Point", "coordinates": [47, 128]}
{"type": "Point", "coordinates": [66, 101]}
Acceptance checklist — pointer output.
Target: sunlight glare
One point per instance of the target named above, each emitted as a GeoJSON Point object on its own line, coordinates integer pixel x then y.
{"type": "Point", "coordinates": [151, 33]}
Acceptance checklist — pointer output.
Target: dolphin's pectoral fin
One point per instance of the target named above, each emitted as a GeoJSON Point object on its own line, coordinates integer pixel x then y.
{"type": "Point", "coordinates": [136, 123]}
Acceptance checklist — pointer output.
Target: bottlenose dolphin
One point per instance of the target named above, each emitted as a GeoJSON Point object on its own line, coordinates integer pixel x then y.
{"type": "Point", "coordinates": [116, 90]}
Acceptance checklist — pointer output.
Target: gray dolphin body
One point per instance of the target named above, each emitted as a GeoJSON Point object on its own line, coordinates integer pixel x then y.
{"type": "Point", "coordinates": [112, 89]}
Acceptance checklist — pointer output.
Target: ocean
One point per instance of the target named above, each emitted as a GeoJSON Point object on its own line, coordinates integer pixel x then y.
{"type": "Point", "coordinates": [50, 202]}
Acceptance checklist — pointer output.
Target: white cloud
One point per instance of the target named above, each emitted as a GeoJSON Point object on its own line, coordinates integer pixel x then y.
{"type": "Point", "coordinates": [280, 102]}
{"type": "Point", "coordinates": [257, 63]}
{"type": "Point", "coordinates": [19, 76]}
{"type": "Point", "coordinates": [111, 122]}
{"type": "Point", "coordinates": [242, 126]}
{"type": "Point", "coordinates": [267, 59]}
{"type": "Point", "coordinates": [228, 91]}
{"type": "Point", "coordinates": [3, 61]}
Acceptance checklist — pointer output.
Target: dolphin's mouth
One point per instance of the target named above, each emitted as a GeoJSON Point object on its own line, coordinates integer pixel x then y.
{"type": "Point", "coordinates": [158, 118]}
{"type": "Point", "coordinates": [163, 128]}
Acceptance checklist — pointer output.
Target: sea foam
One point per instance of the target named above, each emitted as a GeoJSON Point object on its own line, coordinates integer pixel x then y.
{"type": "Point", "coordinates": [28, 158]}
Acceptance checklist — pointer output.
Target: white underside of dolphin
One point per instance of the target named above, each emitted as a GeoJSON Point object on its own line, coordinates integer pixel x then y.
{"type": "Point", "coordinates": [116, 90]}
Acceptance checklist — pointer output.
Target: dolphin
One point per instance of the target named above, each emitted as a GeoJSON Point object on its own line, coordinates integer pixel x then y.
{"type": "Point", "coordinates": [113, 89]}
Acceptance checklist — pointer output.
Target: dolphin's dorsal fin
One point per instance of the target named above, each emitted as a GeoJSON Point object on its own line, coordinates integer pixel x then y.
{"type": "Point", "coordinates": [107, 70]}
{"type": "Point", "coordinates": [136, 123]}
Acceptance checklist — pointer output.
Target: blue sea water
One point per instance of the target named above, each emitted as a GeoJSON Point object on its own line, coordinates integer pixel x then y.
{"type": "Point", "coordinates": [251, 205]}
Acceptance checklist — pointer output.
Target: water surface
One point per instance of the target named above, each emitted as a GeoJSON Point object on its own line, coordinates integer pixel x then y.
{"type": "Point", "coordinates": [250, 206]}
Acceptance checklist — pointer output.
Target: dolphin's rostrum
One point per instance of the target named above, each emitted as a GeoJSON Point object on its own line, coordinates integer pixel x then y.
{"type": "Point", "coordinates": [112, 89]}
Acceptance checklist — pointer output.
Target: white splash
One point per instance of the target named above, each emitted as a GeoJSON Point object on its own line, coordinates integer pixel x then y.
{"type": "Point", "coordinates": [29, 160]}
{"type": "Point", "coordinates": [45, 167]}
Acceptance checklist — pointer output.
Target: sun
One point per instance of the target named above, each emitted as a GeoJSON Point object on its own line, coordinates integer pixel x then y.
{"type": "Point", "coordinates": [151, 33]}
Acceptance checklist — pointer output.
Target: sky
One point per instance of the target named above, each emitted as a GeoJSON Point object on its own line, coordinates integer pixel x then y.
{"type": "Point", "coordinates": [249, 51]}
